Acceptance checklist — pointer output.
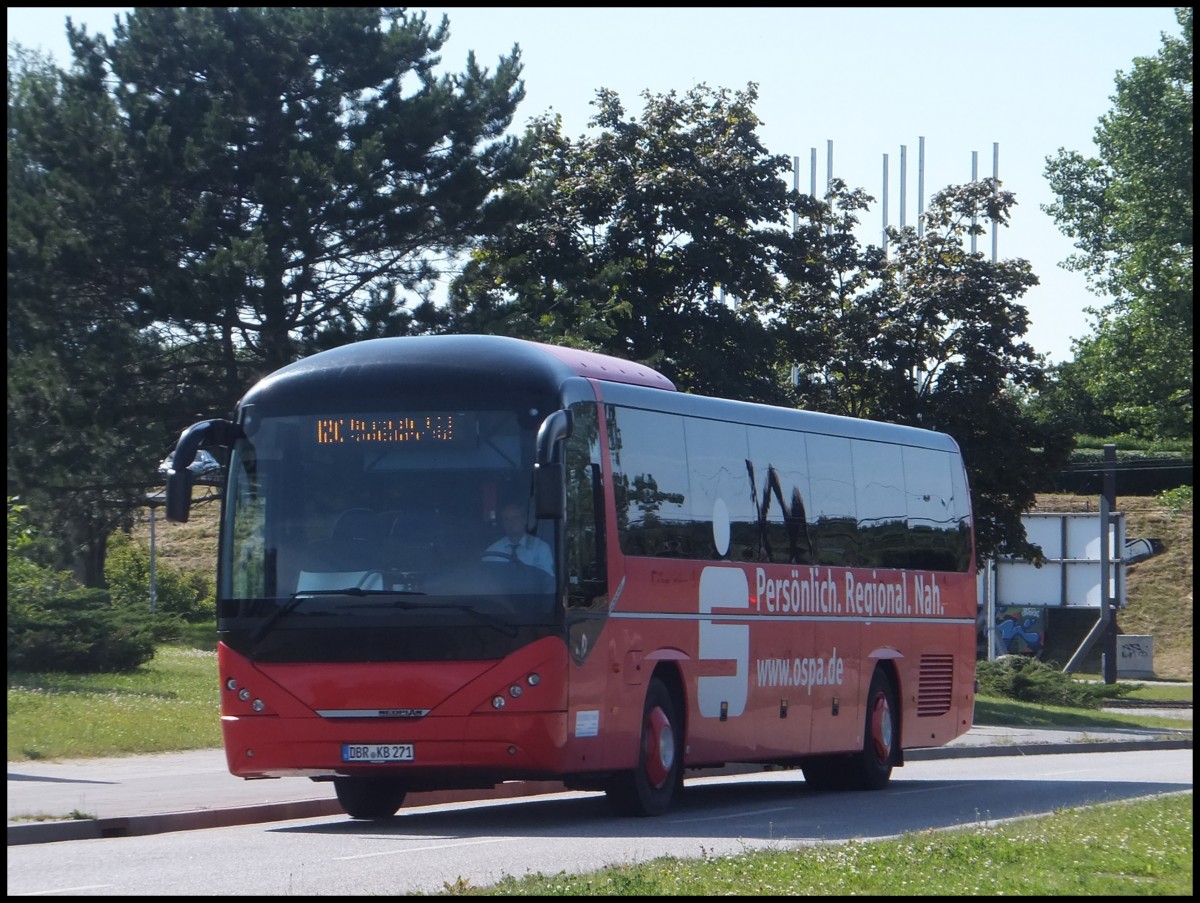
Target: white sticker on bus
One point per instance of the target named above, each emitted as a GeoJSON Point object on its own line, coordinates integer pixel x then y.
{"type": "Point", "coordinates": [724, 587]}
{"type": "Point", "coordinates": [587, 723]}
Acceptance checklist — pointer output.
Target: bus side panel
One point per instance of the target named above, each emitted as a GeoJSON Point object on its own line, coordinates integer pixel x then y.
{"type": "Point", "coordinates": [837, 681]}
{"type": "Point", "coordinates": [780, 709]}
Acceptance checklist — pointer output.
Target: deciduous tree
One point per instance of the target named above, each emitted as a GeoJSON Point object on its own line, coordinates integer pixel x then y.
{"type": "Point", "coordinates": [1129, 209]}
{"type": "Point", "coordinates": [667, 239]}
{"type": "Point", "coordinates": [656, 238]}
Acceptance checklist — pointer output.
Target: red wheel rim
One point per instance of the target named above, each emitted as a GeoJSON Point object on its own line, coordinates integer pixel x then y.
{"type": "Point", "coordinates": [659, 747]}
{"type": "Point", "coordinates": [881, 728]}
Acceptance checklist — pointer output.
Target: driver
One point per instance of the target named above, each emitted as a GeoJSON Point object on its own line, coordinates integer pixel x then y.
{"type": "Point", "coordinates": [517, 544]}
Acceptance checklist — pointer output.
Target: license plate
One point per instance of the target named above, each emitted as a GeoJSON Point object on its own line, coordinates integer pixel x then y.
{"type": "Point", "coordinates": [377, 752]}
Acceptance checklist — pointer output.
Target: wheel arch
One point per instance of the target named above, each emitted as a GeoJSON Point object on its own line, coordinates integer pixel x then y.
{"type": "Point", "coordinates": [887, 665]}
{"type": "Point", "coordinates": [669, 674]}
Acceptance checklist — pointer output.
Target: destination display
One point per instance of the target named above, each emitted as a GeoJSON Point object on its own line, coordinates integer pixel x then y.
{"type": "Point", "coordinates": [439, 428]}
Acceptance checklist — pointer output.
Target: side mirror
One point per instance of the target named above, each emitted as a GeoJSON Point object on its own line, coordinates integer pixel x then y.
{"type": "Point", "coordinates": [179, 495]}
{"type": "Point", "coordinates": [180, 466]}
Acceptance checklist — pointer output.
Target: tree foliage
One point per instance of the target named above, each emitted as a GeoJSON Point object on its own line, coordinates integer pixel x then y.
{"type": "Point", "coordinates": [1129, 210]}
{"type": "Point", "coordinates": [86, 382]}
{"type": "Point", "coordinates": [656, 239]}
{"type": "Point", "coordinates": [931, 335]}
{"type": "Point", "coordinates": [203, 198]}
{"type": "Point", "coordinates": [55, 624]}
{"type": "Point", "coordinates": [666, 240]}
{"type": "Point", "coordinates": [297, 168]}
{"type": "Point", "coordinates": [213, 192]}
{"type": "Point", "coordinates": [190, 595]}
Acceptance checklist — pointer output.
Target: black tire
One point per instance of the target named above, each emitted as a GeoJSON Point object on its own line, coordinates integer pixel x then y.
{"type": "Point", "coordinates": [369, 798]}
{"type": "Point", "coordinates": [871, 769]}
{"type": "Point", "coordinates": [650, 789]}
{"type": "Point", "coordinates": [825, 772]}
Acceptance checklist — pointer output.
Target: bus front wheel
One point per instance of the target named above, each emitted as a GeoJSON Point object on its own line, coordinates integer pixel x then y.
{"type": "Point", "coordinates": [651, 787]}
{"type": "Point", "coordinates": [371, 798]}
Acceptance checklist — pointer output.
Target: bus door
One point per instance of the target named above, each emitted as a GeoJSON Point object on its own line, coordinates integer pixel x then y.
{"type": "Point", "coordinates": [588, 593]}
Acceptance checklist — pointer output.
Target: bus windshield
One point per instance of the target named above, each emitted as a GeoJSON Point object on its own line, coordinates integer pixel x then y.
{"type": "Point", "coordinates": [397, 521]}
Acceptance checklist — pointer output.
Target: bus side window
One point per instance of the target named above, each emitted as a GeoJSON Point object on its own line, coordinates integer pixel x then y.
{"type": "Point", "coordinates": [587, 580]}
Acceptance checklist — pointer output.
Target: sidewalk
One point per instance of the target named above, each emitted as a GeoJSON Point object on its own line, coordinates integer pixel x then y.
{"type": "Point", "coordinates": [153, 794]}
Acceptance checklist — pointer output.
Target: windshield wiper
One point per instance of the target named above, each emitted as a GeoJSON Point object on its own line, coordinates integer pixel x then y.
{"type": "Point", "coordinates": [357, 591]}
{"type": "Point", "coordinates": [493, 622]}
{"type": "Point", "coordinates": [304, 594]}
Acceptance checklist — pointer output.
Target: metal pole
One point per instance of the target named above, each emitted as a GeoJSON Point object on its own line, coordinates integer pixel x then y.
{"type": "Point", "coordinates": [1108, 501]}
{"type": "Point", "coordinates": [153, 580]}
{"type": "Point", "coordinates": [829, 177]}
{"type": "Point", "coordinates": [920, 186]}
{"type": "Point", "coordinates": [795, 188]}
{"type": "Point", "coordinates": [990, 591]}
{"type": "Point", "coordinates": [996, 176]}
{"type": "Point", "coordinates": [885, 200]}
{"type": "Point", "coordinates": [974, 178]}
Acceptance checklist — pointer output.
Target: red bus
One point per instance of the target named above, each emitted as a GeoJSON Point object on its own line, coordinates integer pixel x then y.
{"type": "Point", "coordinates": [695, 581]}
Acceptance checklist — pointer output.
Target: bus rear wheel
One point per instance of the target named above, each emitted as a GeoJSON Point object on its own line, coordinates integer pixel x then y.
{"type": "Point", "coordinates": [651, 787]}
{"type": "Point", "coordinates": [369, 798]}
{"type": "Point", "coordinates": [871, 769]}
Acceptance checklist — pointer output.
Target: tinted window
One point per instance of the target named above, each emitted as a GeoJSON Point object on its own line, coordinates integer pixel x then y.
{"type": "Point", "coordinates": [717, 478]}
{"type": "Point", "coordinates": [801, 498]}
{"type": "Point", "coordinates": [779, 460]}
{"type": "Point", "coordinates": [879, 501]}
{"type": "Point", "coordinates": [832, 517]}
{"type": "Point", "coordinates": [586, 583]}
{"type": "Point", "coordinates": [650, 482]}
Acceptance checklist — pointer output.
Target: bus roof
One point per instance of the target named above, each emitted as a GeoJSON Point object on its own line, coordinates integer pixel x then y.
{"type": "Point", "coordinates": [733, 411]}
{"type": "Point", "coordinates": [360, 368]}
{"type": "Point", "coordinates": [448, 359]}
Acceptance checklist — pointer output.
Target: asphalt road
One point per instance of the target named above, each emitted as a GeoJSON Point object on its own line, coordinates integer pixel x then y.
{"type": "Point", "coordinates": [138, 795]}
{"type": "Point", "coordinates": [426, 849]}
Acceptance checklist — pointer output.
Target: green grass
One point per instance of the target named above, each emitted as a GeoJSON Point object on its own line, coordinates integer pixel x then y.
{"type": "Point", "coordinates": [1181, 692]}
{"type": "Point", "coordinates": [171, 703]}
{"type": "Point", "coordinates": [1141, 847]}
{"type": "Point", "coordinates": [1010, 713]}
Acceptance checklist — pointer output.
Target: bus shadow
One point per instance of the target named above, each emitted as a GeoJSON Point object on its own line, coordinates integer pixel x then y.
{"type": "Point", "coordinates": [771, 810]}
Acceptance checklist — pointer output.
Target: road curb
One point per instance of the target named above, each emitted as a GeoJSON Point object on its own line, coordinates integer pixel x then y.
{"type": "Point", "coordinates": [141, 825]}
{"type": "Point", "coordinates": [1043, 749]}
{"type": "Point", "coordinates": [164, 823]}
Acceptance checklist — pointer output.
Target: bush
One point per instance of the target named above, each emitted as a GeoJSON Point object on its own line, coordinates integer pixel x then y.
{"type": "Point", "coordinates": [187, 595]}
{"type": "Point", "coordinates": [54, 624]}
{"type": "Point", "coordinates": [1176, 500]}
{"type": "Point", "coordinates": [1027, 679]}
{"type": "Point", "coordinates": [77, 629]}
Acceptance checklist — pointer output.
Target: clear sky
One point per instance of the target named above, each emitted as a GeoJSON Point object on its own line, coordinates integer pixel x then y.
{"type": "Point", "coordinates": [1009, 85]}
